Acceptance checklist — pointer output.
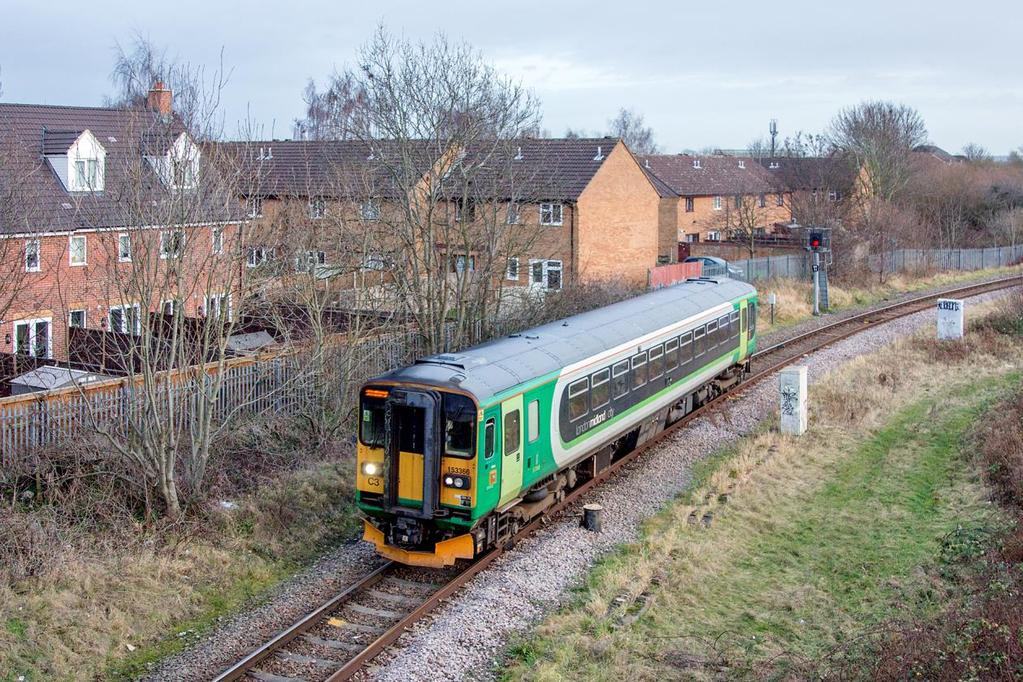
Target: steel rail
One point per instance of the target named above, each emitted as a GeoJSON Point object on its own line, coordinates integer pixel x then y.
{"type": "Point", "coordinates": [821, 337]}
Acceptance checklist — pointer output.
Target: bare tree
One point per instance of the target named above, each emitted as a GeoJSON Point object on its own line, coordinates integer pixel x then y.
{"type": "Point", "coordinates": [879, 137]}
{"type": "Point", "coordinates": [975, 153]}
{"type": "Point", "coordinates": [632, 129]}
{"type": "Point", "coordinates": [329, 112]}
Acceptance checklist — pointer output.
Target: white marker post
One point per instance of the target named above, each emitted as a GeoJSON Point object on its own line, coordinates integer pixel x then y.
{"type": "Point", "coordinates": [792, 386]}
{"type": "Point", "coordinates": [950, 319]}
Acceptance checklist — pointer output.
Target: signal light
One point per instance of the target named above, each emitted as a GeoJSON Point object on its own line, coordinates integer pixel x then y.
{"type": "Point", "coordinates": [375, 393]}
{"type": "Point", "coordinates": [816, 241]}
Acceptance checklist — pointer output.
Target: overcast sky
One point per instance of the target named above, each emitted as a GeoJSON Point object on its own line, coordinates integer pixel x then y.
{"type": "Point", "coordinates": [703, 74]}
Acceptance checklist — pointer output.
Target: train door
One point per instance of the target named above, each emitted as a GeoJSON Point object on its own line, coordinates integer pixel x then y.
{"type": "Point", "coordinates": [742, 329]}
{"type": "Point", "coordinates": [411, 447]}
{"type": "Point", "coordinates": [511, 451]}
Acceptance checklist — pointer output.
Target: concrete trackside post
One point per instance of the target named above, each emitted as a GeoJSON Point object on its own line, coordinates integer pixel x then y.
{"type": "Point", "coordinates": [793, 394]}
{"type": "Point", "coordinates": [950, 318]}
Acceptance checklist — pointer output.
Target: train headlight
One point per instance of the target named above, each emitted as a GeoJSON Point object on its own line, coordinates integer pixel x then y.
{"type": "Point", "coordinates": [371, 469]}
{"type": "Point", "coordinates": [457, 482]}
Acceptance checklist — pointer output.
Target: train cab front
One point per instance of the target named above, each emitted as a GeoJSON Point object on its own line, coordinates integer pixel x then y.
{"type": "Point", "coordinates": [416, 479]}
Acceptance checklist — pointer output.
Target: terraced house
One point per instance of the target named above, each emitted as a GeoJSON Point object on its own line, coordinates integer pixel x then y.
{"type": "Point", "coordinates": [711, 198]}
{"type": "Point", "coordinates": [552, 210]}
{"type": "Point", "coordinates": [106, 215]}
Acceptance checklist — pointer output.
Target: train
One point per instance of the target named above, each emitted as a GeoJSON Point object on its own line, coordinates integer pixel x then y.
{"type": "Point", "coordinates": [458, 451]}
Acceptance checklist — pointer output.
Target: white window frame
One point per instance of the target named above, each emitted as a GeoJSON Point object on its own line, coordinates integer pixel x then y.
{"type": "Point", "coordinates": [256, 256]}
{"type": "Point", "coordinates": [549, 208]}
{"type": "Point", "coordinates": [31, 323]}
{"type": "Point", "coordinates": [369, 210]}
{"type": "Point", "coordinates": [164, 235]}
{"type": "Point", "coordinates": [832, 195]}
{"type": "Point", "coordinates": [70, 250]}
{"type": "Point", "coordinates": [255, 207]}
{"type": "Point", "coordinates": [374, 262]}
{"type": "Point", "coordinates": [219, 299]}
{"type": "Point", "coordinates": [171, 303]}
{"type": "Point", "coordinates": [217, 239]}
{"type": "Point", "coordinates": [717, 203]}
{"type": "Point", "coordinates": [38, 248]}
{"type": "Point", "coordinates": [70, 314]}
{"type": "Point", "coordinates": [124, 318]}
{"type": "Point", "coordinates": [714, 235]}
{"type": "Point", "coordinates": [513, 216]}
{"type": "Point", "coordinates": [317, 208]}
{"type": "Point", "coordinates": [546, 267]}
{"type": "Point", "coordinates": [779, 199]}
{"type": "Point", "coordinates": [512, 266]}
{"type": "Point", "coordinates": [308, 261]}
{"type": "Point", "coordinates": [121, 239]}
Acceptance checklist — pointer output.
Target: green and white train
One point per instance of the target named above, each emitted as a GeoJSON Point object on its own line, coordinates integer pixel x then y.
{"type": "Point", "coordinates": [459, 450]}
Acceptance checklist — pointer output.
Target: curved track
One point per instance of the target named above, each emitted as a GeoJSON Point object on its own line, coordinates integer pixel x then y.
{"type": "Point", "coordinates": [342, 636]}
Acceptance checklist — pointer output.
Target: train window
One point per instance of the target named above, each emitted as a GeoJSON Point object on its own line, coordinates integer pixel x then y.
{"type": "Point", "coordinates": [671, 354]}
{"type": "Point", "coordinates": [489, 438]}
{"type": "Point", "coordinates": [459, 419]}
{"type": "Point", "coordinates": [686, 348]}
{"type": "Point", "coordinates": [733, 318]}
{"type": "Point", "coordinates": [752, 319]}
{"type": "Point", "coordinates": [512, 431]}
{"type": "Point", "coordinates": [638, 370]}
{"type": "Point", "coordinates": [411, 428]}
{"type": "Point", "coordinates": [578, 392]}
{"type": "Point", "coordinates": [723, 329]}
{"type": "Point", "coordinates": [656, 362]}
{"type": "Point", "coordinates": [600, 391]}
{"type": "Point", "coordinates": [699, 342]}
{"type": "Point", "coordinates": [533, 417]}
{"type": "Point", "coordinates": [371, 428]}
{"type": "Point", "coordinates": [712, 334]}
{"type": "Point", "coordinates": [620, 379]}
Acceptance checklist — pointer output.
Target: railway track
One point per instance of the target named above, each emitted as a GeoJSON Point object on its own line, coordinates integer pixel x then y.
{"type": "Point", "coordinates": [339, 639]}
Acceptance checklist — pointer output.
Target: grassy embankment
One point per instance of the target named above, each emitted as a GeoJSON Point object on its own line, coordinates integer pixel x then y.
{"type": "Point", "coordinates": [795, 297]}
{"type": "Point", "coordinates": [818, 548]}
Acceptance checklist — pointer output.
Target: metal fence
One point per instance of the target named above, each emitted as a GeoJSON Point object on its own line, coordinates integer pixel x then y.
{"type": "Point", "coordinates": [898, 260]}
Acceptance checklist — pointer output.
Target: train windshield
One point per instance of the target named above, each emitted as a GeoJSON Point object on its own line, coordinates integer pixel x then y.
{"type": "Point", "coordinates": [371, 424]}
{"type": "Point", "coordinates": [459, 419]}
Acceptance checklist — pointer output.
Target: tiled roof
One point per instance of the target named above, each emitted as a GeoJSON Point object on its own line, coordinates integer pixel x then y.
{"type": "Point", "coordinates": [534, 168]}
{"type": "Point", "coordinates": [34, 199]}
{"type": "Point", "coordinates": [715, 175]}
{"type": "Point", "coordinates": [812, 172]}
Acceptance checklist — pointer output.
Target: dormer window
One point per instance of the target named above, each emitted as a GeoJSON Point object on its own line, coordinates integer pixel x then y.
{"type": "Point", "coordinates": [742, 164]}
{"type": "Point", "coordinates": [175, 160]}
{"type": "Point", "coordinates": [696, 163]}
{"type": "Point", "coordinates": [77, 157]}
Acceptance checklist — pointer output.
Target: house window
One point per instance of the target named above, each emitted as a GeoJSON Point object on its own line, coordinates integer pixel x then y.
{"type": "Point", "coordinates": [762, 200]}
{"type": "Point", "coordinates": [125, 318]}
{"type": "Point", "coordinates": [255, 207]}
{"type": "Point", "coordinates": [76, 318]}
{"type": "Point", "coordinates": [218, 240]}
{"type": "Point", "coordinates": [714, 236]}
{"type": "Point", "coordinates": [717, 203]}
{"type": "Point", "coordinates": [696, 163]}
{"type": "Point", "coordinates": [317, 208]}
{"type": "Point", "coordinates": [124, 247]}
{"type": "Point", "coordinates": [370, 210]}
{"type": "Point", "coordinates": [512, 272]}
{"type": "Point", "coordinates": [76, 250]}
{"type": "Point", "coordinates": [374, 261]}
{"type": "Point", "coordinates": [779, 199]}
{"type": "Point", "coordinates": [692, 237]}
{"type": "Point", "coordinates": [551, 214]}
{"type": "Point", "coordinates": [832, 195]}
{"type": "Point", "coordinates": [689, 205]}
{"type": "Point", "coordinates": [32, 256]}
{"type": "Point", "coordinates": [465, 211]}
{"type": "Point", "coordinates": [87, 175]}
{"type": "Point", "coordinates": [309, 260]}
{"type": "Point", "coordinates": [738, 201]}
{"type": "Point", "coordinates": [742, 164]}
{"type": "Point", "coordinates": [218, 306]}
{"type": "Point", "coordinates": [545, 274]}
{"type": "Point", "coordinates": [513, 214]}
{"type": "Point", "coordinates": [171, 243]}
{"type": "Point", "coordinates": [256, 256]}
{"type": "Point", "coordinates": [169, 307]}
{"type": "Point", "coordinates": [183, 173]}
{"type": "Point", "coordinates": [32, 337]}
{"type": "Point", "coordinates": [461, 262]}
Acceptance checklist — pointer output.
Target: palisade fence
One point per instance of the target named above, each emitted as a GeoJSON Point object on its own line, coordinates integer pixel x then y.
{"type": "Point", "coordinates": [898, 260]}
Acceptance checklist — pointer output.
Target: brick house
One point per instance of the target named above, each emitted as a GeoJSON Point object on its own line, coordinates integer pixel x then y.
{"type": "Point", "coordinates": [91, 197]}
{"type": "Point", "coordinates": [709, 197]}
{"type": "Point", "coordinates": [822, 190]}
{"type": "Point", "coordinates": [589, 209]}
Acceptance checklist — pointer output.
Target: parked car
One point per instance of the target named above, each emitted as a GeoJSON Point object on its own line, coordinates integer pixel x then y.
{"type": "Point", "coordinates": [716, 267]}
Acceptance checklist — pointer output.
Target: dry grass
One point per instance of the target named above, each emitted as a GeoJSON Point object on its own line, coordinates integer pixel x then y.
{"type": "Point", "coordinates": [795, 297]}
{"type": "Point", "coordinates": [812, 541]}
{"type": "Point", "coordinates": [90, 605]}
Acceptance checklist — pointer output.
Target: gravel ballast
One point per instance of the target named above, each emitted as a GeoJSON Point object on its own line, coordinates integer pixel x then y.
{"type": "Point", "coordinates": [465, 637]}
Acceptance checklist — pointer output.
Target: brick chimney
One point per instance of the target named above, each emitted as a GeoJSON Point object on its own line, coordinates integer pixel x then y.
{"type": "Point", "coordinates": [160, 99]}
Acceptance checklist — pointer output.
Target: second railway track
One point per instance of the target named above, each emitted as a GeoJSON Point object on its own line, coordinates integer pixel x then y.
{"type": "Point", "coordinates": [338, 639]}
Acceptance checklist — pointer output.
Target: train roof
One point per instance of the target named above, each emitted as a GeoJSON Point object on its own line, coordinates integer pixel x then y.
{"type": "Point", "coordinates": [498, 365]}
